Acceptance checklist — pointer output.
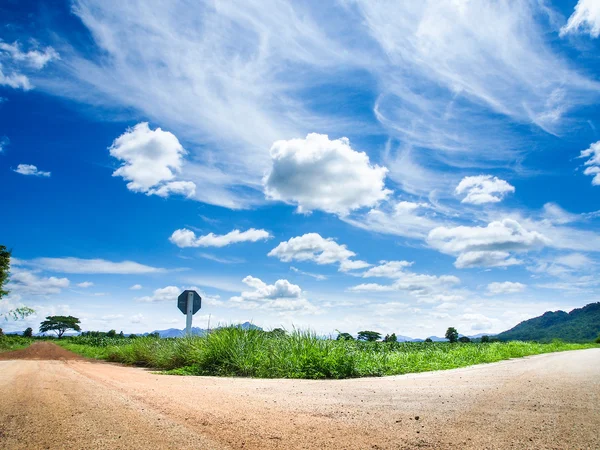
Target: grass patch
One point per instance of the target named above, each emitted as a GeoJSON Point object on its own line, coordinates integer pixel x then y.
{"type": "Point", "coordinates": [233, 351]}
{"type": "Point", "coordinates": [13, 342]}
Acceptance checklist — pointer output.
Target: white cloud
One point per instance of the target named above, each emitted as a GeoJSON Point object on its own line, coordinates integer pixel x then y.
{"type": "Point", "coordinates": [25, 282]}
{"type": "Point", "coordinates": [137, 318]}
{"type": "Point", "coordinates": [166, 294]}
{"type": "Point", "coordinates": [30, 169]}
{"type": "Point", "coordinates": [319, 173]}
{"type": "Point", "coordinates": [151, 159]}
{"type": "Point", "coordinates": [427, 288]}
{"type": "Point", "coordinates": [316, 276]}
{"type": "Point", "coordinates": [313, 247]}
{"type": "Point", "coordinates": [593, 163]}
{"type": "Point", "coordinates": [186, 238]}
{"type": "Point", "coordinates": [506, 287]}
{"type": "Point", "coordinates": [85, 284]}
{"type": "Point", "coordinates": [585, 19]}
{"type": "Point", "coordinates": [88, 266]}
{"type": "Point", "coordinates": [14, 80]}
{"type": "Point", "coordinates": [483, 189]}
{"type": "Point", "coordinates": [408, 219]}
{"type": "Point", "coordinates": [282, 296]}
{"type": "Point", "coordinates": [136, 287]}
{"type": "Point", "coordinates": [4, 141]}
{"type": "Point", "coordinates": [486, 246]}
{"type": "Point", "coordinates": [35, 58]}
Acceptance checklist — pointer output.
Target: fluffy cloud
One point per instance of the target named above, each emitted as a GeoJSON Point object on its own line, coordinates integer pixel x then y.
{"type": "Point", "coordinates": [313, 247]}
{"type": "Point", "coordinates": [486, 246]}
{"type": "Point", "coordinates": [151, 159]}
{"type": "Point", "coordinates": [30, 169]}
{"type": "Point", "coordinates": [593, 163]}
{"type": "Point", "coordinates": [585, 19]}
{"type": "Point", "coordinates": [85, 284]}
{"type": "Point", "coordinates": [483, 189]}
{"type": "Point", "coordinates": [166, 294]}
{"type": "Point", "coordinates": [78, 265]}
{"type": "Point", "coordinates": [136, 287]}
{"type": "Point", "coordinates": [281, 296]}
{"type": "Point", "coordinates": [319, 173]}
{"type": "Point", "coordinates": [186, 238]}
{"type": "Point", "coordinates": [388, 269]}
{"type": "Point", "coordinates": [25, 282]}
{"type": "Point", "coordinates": [506, 287]}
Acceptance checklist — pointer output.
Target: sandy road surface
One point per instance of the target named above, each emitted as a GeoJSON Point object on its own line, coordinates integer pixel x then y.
{"type": "Point", "coordinates": [548, 401]}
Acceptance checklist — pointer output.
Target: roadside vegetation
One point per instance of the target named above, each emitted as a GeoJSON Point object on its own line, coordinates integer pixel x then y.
{"type": "Point", "coordinates": [13, 342]}
{"type": "Point", "coordinates": [233, 351]}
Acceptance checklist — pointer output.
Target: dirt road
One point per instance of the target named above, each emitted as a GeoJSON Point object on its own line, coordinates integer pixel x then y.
{"type": "Point", "coordinates": [548, 401]}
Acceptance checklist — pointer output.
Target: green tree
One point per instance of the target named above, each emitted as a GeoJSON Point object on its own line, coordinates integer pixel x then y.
{"type": "Point", "coordinates": [452, 334]}
{"type": "Point", "coordinates": [133, 336]}
{"type": "Point", "coordinates": [428, 340]}
{"type": "Point", "coordinates": [390, 338]}
{"type": "Point", "coordinates": [278, 332]}
{"type": "Point", "coordinates": [111, 333]}
{"type": "Point", "coordinates": [598, 339]}
{"type": "Point", "coordinates": [28, 332]}
{"type": "Point", "coordinates": [370, 336]}
{"type": "Point", "coordinates": [485, 339]}
{"type": "Point", "coordinates": [121, 335]}
{"type": "Point", "coordinates": [344, 337]}
{"type": "Point", "coordinates": [60, 324]}
{"type": "Point", "coordinates": [17, 313]}
{"type": "Point", "coordinates": [464, 339]}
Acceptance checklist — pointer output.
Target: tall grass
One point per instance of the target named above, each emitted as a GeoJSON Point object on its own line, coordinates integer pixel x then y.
{"type": "Point", "coordinates": [254, 353]}
{"type": "Point", "coordinates": [13, 342]}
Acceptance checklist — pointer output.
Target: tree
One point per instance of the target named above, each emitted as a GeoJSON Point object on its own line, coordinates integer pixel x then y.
{"type": "Point", "coordinates": [370, 336]}
{"type": "Point", "coordinates": [28, 332]}
{"type": "Point", "coordinates": [111, 333]}
{"type": "Point", "coordinates": [133, 336]}
{"type": "Point", "coordinates": [121, 335]}
{"type": "Point", "coordinates": [485, 339]}
{"type": "Point", "coordinates": [464, 339]}
{"type": "Point", "coordinates": [428, 340]}
{"type": "Point", "coordinates": [452, 334]}
{"type": "Point", "coordinates": [278, 332]}
{"type": "Point", "coordinates": [345, 337]}
{"type": "Point", "coordinates": [598, 339]}
{"type": "Point", "coordinates": [390, 338]}
{"type": "Point", "coordinates": [60, 324]}
{"type": "Point", "coordinates": [17, 313]}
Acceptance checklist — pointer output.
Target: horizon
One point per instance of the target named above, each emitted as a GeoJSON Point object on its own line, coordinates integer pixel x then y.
{"type": "Point", "coordinates": [431, 165]}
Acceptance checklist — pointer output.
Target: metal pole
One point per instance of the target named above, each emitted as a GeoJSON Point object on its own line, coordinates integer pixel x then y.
{"type": "Point", "coordinates": [190, 311]}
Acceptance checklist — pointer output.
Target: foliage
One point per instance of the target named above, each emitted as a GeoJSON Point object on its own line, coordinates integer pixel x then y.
{"type": "Point", "coordinates": [390, 338]}
{"type": "Point", "coordinates": [344, 337]}
{"type": "Point", "coordinates": [452, 334]}
{"type": "Point", "coordinates": [597, 339]}
{"type": "Point", "coordinates": [369, 336]}
{"type": "Point", "coordinates": [60, 324]}
{"type": "Point", "coordinates": [111, 333]}
{"type": "Point", "coordinates": [464, 339]}
{"type": "Point", "coordinates": [13, 342]}
{"type": "Point", "coordinates": [278, 332]}
{"type": "Point", "coordinates": [18, 313]}
{"type": "Point", "coordinates": [580, 325]}
{"type": "Point", "coordinates": [485, 339]}
{"type": "Point", "coordinates": [233, 351]}
{"type": "Point", "coordinates": [428, 340]}
{"type": "Point", "coordinates": [28, 332]}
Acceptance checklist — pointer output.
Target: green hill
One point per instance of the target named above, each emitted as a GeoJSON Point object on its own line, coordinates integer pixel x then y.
{"type": "Point", "coordinates": [580, 325]}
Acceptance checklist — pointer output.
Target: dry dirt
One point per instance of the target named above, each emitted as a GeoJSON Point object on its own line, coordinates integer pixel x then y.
{"type": "Point", "coordinates": [550, 401]}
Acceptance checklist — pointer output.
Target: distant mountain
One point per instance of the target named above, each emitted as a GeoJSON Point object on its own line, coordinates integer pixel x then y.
{"type": "Point", "coordinates": [580, 325]}
{"type": "Point", "coordinates": [175, 332]}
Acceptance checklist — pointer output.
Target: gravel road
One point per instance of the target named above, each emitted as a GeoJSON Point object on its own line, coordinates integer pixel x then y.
{"type": "Point", "coordinates": [50, 398]}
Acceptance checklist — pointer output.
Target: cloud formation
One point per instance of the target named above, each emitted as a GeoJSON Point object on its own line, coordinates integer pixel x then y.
{"type": "Point", "coordinates": [313, 247]}
{"type": "Point", "coordinates": [17, 60]}
{"type": "Point", "coordinates": [30, 169]}
{"type": "Point", "coordinates": [282, 296]}
{"type": "Point", "coordinates": [585, 19]}
{"type": "Point", "coordinates": [593, 163]}
{"type": "Point", "coordinates": [91, 266]}
{"type": "Point", "coordinates": [486, 246]}
{"type": "Point", "coordinates": [483, 189]}
{"type": "Point", "coordinates": [150, 161]}
{"type": "Point", "coordinates": [25, 282]}
{"type": "Point", "coordinates": [319, 173]}
{"type": "Point", "coordinates": [166, 294]}
{"type": "Point", "coordinates": [506, 287]}
{"type": "Point", "coordinates": [187, 238]}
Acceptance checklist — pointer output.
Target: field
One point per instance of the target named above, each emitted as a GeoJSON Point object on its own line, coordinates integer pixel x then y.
{"type": "Point", "coordinates": [11, 342]}
{"type": "Point", "coordinates": [253, 353]}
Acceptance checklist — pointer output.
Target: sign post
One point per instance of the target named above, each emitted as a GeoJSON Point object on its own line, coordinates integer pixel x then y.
{"type": "Point", "coordinates": [189, 303]}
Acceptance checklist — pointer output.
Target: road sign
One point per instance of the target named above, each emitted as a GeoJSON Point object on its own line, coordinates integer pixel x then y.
{"type": "Point", "coordinates": [182, 301]}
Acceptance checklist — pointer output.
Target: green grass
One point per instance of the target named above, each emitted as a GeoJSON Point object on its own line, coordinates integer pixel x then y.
{"type": "Point", "coordinates": [12, 342]}
{"type": "Point", "coordinates": [253, 353]}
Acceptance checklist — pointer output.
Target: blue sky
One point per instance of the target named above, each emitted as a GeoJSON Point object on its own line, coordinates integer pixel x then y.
{"type": "Point", "coordinates": [395, 166]}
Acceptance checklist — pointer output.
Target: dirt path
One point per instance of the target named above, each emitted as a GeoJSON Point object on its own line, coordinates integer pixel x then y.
{"type": "Point", "coordinates": [548, 401]}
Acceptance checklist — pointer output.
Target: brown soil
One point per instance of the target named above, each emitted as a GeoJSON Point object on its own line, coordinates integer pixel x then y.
{"type": "Point", "coordinates": [40, 350]}
{"type": "Point", "coordinates": [542, 402]}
